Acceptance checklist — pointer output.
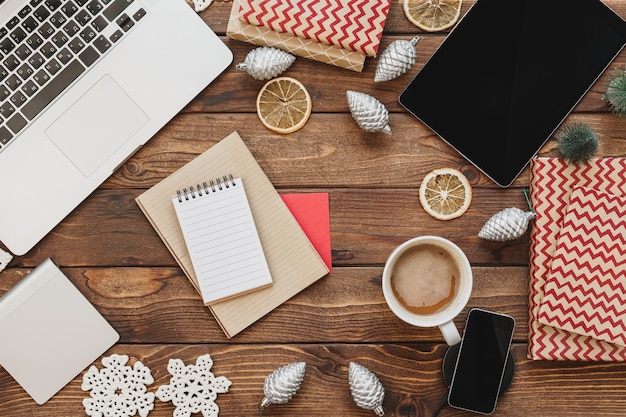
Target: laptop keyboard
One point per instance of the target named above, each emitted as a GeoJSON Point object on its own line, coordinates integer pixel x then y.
{"type": "Point", "coordinates": [47, 45]}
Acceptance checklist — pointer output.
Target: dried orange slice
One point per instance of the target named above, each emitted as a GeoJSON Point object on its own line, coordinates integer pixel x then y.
{"type": "Point", "coordinates": [432, 15]}
{"type": "Point", "coordinates": [445, 193]}
{"type": "Point", "coordinates": [283, 105]}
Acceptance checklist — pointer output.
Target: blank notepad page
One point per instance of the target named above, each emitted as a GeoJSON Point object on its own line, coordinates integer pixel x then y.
{"type": "Point", "coordinates": [222, 239]}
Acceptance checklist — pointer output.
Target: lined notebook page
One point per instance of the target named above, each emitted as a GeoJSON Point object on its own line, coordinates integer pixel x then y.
{"type": "Point", "coordinates": [222, 239]}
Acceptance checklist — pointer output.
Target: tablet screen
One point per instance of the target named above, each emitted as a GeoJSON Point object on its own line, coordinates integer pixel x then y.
{"type": "Point", "coordinates": [508, 75]}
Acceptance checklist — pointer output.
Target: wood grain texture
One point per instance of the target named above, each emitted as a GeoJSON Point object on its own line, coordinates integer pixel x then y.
{"type": "Point", "coordinates": [111, 253]}
{"type": "Point", "coordinates": [410, 373]}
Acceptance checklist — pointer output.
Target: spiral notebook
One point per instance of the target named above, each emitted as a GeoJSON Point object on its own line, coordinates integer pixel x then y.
{"type": "Point", "coordinates": [293, 261]}
{"type": "Point", "coordinates": [221, 238]}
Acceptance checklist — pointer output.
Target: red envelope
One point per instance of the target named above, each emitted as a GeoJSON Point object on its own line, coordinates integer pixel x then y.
{"type": "Point", "coordinates": [312, 212]}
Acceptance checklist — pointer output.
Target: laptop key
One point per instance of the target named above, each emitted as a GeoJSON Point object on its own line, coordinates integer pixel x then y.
{"type": "Point", "coordinates": [115, 8]}
{"type": "Point", "coordinates": [41, 77]}
{"type": "Point", "coordinates": [13, 22]}
{"type": "Point", "coordinates": [88, 34]}
{"type": "Point", "coordinates": [35, 41]}
{"type": "Point", "coordinates": [18, 99]}
{"type": "Point", "coordinates": [99, 23]}
{"type": "Point", "coordinates": [4, 93]}
{"type": "Point", "coordinates": [48, 50]}
{"type": "Point", "coordinates": [30, 24]}
{"type": "Point", "coordinates": [89, 56]}
{"type": "Point", "coordinates": [36, 60]}
{"type": "Point", "coordinates": [64, 56]}
{"type": "Point", "coordinates": [58, 19]}
{"type": "Point", "coordinates": [6, 109]}
{"type": "Point", "coordinates": [102, 44]}
{"type": "Point", "coordinates": [54, 4]}
{"type": "Point", "coordinates": [72, 28]}
{"type": "Point", "coordinates": [46, 30]}
{"type": "Point", "coordinates": [11, 62]}
{"type": "Point", "coordinates": [139, 14]}
{"type": "Point", "coordinates": [116, 36]}
{"type": "Point", "coordinates": [60, 39]}
{"type": "Point", "coordinates": [76, 45]}
{"type": "Point", "coordinates": [125, 22]}
{"type": "Point", "coordinates": [83, 17]}
{"type": "Point", "coordinates": [5, 135]}
{"type": "Point", "coordinates": [16, 123]}
{"type": "Point", "coordinates": [13, 82]}
{"type": "Point", "coordinates": [53, 66]}
{"type": "Point", "coordinates": [18, 35]}
{"type": "Point", "coordinates": [6, 46]}
{"type": "Point", "coordinates": [41, 13]}
{"type": "Point", "coordinates": [25, 71]}
{"type": "Point", "coordinates": [30, 88]}
{"type": "Point", "coordinates": [52, 89]}
{"type": "Point", "coordinates": [69, 9]}
{"type": "Point", "coordinates": [94, 7]}
{"type": "Point", "coordinates": [24, 12]}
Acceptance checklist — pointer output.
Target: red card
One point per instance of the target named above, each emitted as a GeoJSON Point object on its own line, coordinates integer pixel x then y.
{"type": "Point", "coordinates": [312, 213]}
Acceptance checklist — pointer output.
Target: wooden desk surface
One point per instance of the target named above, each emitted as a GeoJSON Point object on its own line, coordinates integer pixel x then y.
{"type": "Point", "coordinates": [112, 254]}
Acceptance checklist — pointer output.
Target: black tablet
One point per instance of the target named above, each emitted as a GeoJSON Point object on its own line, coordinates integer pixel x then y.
{"type": "Point", "coordinates": [509, 73]}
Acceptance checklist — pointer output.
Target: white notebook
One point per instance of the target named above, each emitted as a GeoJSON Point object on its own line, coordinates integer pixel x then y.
{"type": "Point", "coordinates": [221, 238]}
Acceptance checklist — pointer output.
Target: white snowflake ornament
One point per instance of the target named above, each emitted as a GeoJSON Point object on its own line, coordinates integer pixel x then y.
{"type": "Point", "coordinates": [118, 390]}
{"type": "Point", "coordinates": [193, 388]}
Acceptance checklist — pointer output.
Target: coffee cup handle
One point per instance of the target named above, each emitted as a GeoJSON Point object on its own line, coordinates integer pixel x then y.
{"type": "Point", "coordinates": [450, 333]}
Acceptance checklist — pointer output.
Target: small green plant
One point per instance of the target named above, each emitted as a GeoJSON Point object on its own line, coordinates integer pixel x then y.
{"type": "Point", "coordinates": [577, 142]}
{"type": "Point", "coordinates": [615, 94]}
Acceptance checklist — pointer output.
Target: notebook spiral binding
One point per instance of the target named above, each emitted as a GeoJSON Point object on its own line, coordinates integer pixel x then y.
{"type": "Point", "coordinates": [198, 190]}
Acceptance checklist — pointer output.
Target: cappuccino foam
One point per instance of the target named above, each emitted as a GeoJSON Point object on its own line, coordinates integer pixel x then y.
{"type": "Point", "coordinates": [424, 279]}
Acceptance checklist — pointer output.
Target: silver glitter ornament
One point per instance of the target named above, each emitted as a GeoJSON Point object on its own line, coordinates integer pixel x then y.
{"type": "Point", "coordinates": [507, 224]}
{"type": "Point", "coordinates": [396, 59]}
{"type": "Point", "coordinates": [370, 114]}
{"type": "Point", "coordinates": [282, 384]}
{"type": "Point", "coordinates": [265, 63]}
{"type": "Point", "coordinates": [366, 389]}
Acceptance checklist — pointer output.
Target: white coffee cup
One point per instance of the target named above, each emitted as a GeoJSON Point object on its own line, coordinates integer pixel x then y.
{"type": "Point", "coordinates": [432, 298]}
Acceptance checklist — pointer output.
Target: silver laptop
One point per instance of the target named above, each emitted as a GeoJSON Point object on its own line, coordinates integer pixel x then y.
{"type": "Point", "coordinates": [84, 84]}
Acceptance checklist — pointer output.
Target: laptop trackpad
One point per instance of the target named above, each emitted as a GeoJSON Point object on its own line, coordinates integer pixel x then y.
{"type": "Point", "coordinates": [97, 125]}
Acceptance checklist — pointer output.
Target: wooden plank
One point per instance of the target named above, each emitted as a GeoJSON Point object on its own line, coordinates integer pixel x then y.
{"type": "Point", "coordinates": [108, 229]}
{"type": "Point", "coordinates": [321, 155]}
{"type": "Point", "coordinates": [327, 84]}
{"type": "Point", "coordinates": [159, 305]}
{"type": "Point", "coordinates": [410, 374]}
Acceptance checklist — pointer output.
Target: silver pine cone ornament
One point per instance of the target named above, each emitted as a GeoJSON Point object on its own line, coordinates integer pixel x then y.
{"type": "Point", "coordinates": [396, 59]}
{"type": "Point", "coordinates": [366, 389]}
{"type": "Point", "coordinates": [370, 114]}
{"type": "Point", "coordinates": [266, 62]}
{"type": "Point", "coordinates": [282, 384]}
{"type": "Point", "coordinates": [507, 224]}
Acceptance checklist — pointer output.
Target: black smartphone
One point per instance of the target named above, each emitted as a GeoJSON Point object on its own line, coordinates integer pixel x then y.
{"type": "Point", "coordinates": [481, 362]}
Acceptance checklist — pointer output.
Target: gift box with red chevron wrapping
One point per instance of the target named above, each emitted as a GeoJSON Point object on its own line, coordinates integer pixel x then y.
{"type": "Point", "coordinates": [572, 304]}
{"type": "Point", "coordinates": [337, 32]}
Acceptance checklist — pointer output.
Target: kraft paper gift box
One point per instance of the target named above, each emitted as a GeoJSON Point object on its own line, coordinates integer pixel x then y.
{"type": "Point", "coordinates": [341, 33]}
{"type": "Point", "coordinates": [586, 289]}
{"type": "Point", "coordinates": [552, 182]}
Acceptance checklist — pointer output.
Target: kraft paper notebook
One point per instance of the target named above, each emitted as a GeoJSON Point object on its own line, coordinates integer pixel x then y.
{"type": "Point", "coordinates": [293, 262]}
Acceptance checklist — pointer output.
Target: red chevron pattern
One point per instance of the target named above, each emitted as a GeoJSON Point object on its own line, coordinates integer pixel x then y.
{"type": "Point", "coordinates": [552, 184]}
{"type": "Point", "coordinates": [586, 289]}
{"type": "Point", "coordinates": [355, 25]}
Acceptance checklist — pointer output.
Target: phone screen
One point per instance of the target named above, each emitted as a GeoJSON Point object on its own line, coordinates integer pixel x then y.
{"type": "Point", "coordinates": [481, 362]}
